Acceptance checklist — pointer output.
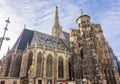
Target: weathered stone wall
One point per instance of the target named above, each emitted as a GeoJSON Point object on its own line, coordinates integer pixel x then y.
{"type": "Point", "coordinates": [45, 52]}
{"type": "Point", "coordinates": [91, 52]}
{"type": "Point", "coordinates": [10, 80]}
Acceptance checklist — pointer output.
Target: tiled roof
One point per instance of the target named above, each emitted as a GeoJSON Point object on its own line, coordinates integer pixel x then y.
{"type": "Point", "coordinates": [49, 40]}
{"type": "Point", "coordinates": [32, 37]}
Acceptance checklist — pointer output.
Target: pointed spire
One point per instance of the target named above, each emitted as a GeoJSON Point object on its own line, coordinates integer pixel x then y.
{"type": "Point", "coordinates": [56, 29]}
{"type": "Point", "coordinates": [56, 16]}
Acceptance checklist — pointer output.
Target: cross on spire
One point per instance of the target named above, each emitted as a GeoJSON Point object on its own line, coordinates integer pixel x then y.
{"type": "Point", "coordinates": [81, 11]}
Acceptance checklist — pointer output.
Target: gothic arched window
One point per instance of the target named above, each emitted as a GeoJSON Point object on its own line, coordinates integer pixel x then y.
{"type": "Point", "coordinates": [30, 57]}
{"type": "Point", "coordinates": [8, 65]}
{"type": "Point", "coordinates": [49, 66]}
{"type": "Point", "coordinates": [39, 65]}
{"type": "Point", "coordinates": [60, 67]}
{"type": "Point", "coordinates": [17, 66]}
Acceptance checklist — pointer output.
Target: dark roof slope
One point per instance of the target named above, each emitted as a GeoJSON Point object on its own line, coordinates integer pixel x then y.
{"type": "Point", "coordinates": [67, 36]}
{"type": "Point", "coordinates": [32, 37]}
{"type": "Point", "coordinates": [24, 38]}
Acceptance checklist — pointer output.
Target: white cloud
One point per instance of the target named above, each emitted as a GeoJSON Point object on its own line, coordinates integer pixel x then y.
{"type": "Point", "coordinates": [110, 25]}
{"type": "Point", "coordinates": [39, 15]}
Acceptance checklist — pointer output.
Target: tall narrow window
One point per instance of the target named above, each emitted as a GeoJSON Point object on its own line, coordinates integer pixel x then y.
{"type": "Point", "coordinates": [69, 63]}
{"type": "Point", "coordinates": [30, 57]}
{"type": "Point", "coordinates": [17, 66]}
{"type": "Point", "coordinates": [60, 68]}
{"type": "Point", "coordinates": [39, 81]}
{"type": "Point", "coordinates": [39, 65]}
{"type": "Point", "coordinates": [49, 66]}
{"type": "Point", "coordinates": [8, 65]}
{"type": "Point", "coordinates": [81, 52]}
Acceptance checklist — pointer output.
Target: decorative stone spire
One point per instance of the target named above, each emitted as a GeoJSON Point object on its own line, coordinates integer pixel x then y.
{"type": "Point", "coordinates": [56, 17]}
{"type": "Point", "coordinates": [56, 29]}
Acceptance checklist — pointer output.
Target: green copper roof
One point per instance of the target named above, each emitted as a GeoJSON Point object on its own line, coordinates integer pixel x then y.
{"type": "Point", "coordinates": [82, 14]}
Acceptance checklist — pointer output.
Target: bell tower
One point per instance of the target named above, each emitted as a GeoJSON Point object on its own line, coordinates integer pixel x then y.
{"type": "Point", "coordinates": [83, 22]}
{"type": "Point", "coordinates": [56, 29]}
{"type": "Point", "coordinates": [83, 49]}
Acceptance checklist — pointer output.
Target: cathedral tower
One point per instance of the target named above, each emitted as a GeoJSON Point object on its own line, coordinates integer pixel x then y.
{"type": "Point", "coordinates": [56, 29]}
{"type": "Point", "coordinates": [83, 22]}
{"type": "Point", "coordinates": [90, 53]}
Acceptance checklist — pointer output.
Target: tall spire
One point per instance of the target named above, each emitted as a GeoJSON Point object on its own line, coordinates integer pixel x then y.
{"type": "Point", "coordinates": [56, 29]}
{"type": "Point", "coordinates": [56, 17]}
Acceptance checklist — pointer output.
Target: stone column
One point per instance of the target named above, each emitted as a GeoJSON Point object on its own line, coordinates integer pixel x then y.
{"type": "Point", "coordinates": [44, 66]}
{"type": "Point", "coordinates": [55, 66]}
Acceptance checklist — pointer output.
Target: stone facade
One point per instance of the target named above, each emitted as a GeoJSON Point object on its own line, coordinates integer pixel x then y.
{"type": "Point", "coordinates": [83, 55]}
{"type": "Point", "coordinates": [91, 54]}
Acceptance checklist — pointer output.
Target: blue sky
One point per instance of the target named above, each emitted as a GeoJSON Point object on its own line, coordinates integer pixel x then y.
{"type": "Point", "coordinates": [39, 15]}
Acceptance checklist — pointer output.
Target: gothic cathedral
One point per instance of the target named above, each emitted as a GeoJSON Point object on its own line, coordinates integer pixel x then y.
{"type": "Point", "coordinates": [82, 56]}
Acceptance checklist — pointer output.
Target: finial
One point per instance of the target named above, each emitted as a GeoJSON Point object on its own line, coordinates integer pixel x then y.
{"type": "Point", "coordinates": [56, 6]}
{"type": "Point", "coordinates": [27, 44]}
{"type": "Point", "coordinates": [24, 26]}
{"type": "Point", "coordinates": [81, 11]}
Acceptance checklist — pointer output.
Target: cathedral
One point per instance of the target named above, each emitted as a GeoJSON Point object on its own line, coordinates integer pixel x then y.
{"type": "Point", "coordinates": [82, 56]}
